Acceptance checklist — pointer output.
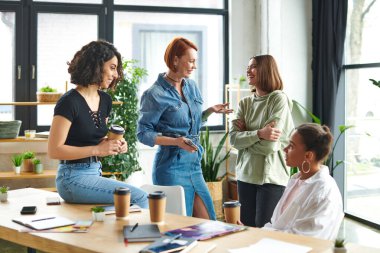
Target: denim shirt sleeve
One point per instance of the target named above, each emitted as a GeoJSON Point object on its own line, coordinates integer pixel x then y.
{"type": "Point", "coordinates": [150, 113]}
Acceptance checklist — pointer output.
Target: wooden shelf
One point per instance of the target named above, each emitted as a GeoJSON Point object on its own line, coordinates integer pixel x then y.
{"type": "Point", "coordinates": [22, 139]}
{"type": "Point", "coordinates": [43, 103]}
{"type": "Point", "coordinates": [27, 175]}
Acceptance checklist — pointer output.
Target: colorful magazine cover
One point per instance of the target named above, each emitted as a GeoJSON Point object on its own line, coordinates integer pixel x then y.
{"type": "Point", "coordinates": [206, 230]}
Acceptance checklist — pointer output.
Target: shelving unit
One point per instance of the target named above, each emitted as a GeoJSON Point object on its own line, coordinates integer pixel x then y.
{"type": "Point", "coordinates": [233, 94]}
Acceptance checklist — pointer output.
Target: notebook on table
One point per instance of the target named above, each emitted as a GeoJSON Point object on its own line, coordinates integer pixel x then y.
{"type": "Point", "coordinates": [141, 233]}
{"type": "Point", "coordinates": [111, 209]}
{"type": "Point", "coordinates": [43, 222]}
{"type": "Point", "coordinates": [206, 230]}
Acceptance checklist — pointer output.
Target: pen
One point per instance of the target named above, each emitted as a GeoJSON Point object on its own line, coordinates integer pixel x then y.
{"type": "Point", "coordinates": [134, 227]}
{"type": "Point", "coordinates": [174, 238]}
{"type": "Point", "coordinates": [49, 218]}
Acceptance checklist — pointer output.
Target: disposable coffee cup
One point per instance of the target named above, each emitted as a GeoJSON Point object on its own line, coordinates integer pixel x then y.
{"type": "Point", "coordinates": [122, 200]}
{"type": "Point", "coordinates": [157, 206]}
{"type": "Point", "coordinates": [116, 132]}
{"type": "Point", "coordinates": [232, 211]}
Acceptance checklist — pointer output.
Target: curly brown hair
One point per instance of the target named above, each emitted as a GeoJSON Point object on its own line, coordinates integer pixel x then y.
{"type": "Point", "coordinates": [87, 65]}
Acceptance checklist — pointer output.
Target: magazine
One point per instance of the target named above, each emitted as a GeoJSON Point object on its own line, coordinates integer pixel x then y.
{"type": "Point", "coordinates": [111, 209]}
{"type": "Point", "coordinates": [168, 244]}
{"type": "Point", "coordinates": [206, 230]}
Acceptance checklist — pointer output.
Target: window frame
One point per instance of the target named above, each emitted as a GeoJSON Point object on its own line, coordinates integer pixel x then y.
{"type": "Point", "coordinates": [26, 42]}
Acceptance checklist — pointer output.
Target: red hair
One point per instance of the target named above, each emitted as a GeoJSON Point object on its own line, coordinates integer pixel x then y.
{"type": "Point", "coordinates": [177, 47]}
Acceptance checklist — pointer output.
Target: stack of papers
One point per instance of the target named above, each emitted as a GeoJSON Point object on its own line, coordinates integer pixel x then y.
{"type": "Point", "coordinates": [43, 222]}
{"type": "Point", "coordinates": [272, 246]}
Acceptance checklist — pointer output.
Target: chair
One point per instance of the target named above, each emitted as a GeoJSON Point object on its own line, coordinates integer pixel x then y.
{"type": "Point", "coordinates": [175, 197]}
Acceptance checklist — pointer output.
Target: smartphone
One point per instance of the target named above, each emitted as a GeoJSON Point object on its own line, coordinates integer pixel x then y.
{"type": "Point", "coordinates": [166, 248]}
{"type": "Point", "coordinates": [28, 210]}
{"type": "Point", "coordinates": [191, 144]}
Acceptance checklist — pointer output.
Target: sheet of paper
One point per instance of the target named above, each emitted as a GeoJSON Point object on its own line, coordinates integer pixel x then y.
{"type": "Point", "coordinates": [273, 246]}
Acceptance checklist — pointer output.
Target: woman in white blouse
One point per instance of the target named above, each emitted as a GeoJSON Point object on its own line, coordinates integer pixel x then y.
{"type": "Point", "coordinates": [311, 204]}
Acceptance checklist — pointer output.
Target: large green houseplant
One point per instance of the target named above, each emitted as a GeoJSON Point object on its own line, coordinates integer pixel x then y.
{"type": "Point", "coordinates": [210, 163]}
{"type": "Point", "coordinates": [330, 161]}
{"type": "Point", "coordinates": [126, 115]}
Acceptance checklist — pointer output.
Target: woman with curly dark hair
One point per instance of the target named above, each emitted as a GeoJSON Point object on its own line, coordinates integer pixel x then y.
{"type": "Point", "coordinates": [78, 131]}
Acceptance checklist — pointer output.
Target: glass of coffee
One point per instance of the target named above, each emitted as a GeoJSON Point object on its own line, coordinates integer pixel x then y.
{"type": "Point", "coordinates": [232, 211]}
{"type": "Point", "coordinates": [122, 200]}
{"type": "Point", "coordinates": [157, 206]}
{"type": "Point", "coordinates": [116, 132]}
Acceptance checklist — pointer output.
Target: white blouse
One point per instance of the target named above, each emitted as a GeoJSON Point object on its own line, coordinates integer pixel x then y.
{"type": "Point", "coordinates": [316, 209]}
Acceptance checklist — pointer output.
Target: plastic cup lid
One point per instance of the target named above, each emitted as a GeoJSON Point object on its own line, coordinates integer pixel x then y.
{"type": "Point", "coordinates": [117, 129]}
{"type": "Point", "coordinates": [157, 195]}
{"type": "Point", "coordinates": [122, 190]}
{"type": "Point", "coordinates": [231, 203]}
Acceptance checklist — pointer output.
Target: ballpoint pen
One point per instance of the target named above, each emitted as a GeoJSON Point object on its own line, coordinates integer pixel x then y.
{"type": "Point", "coordinates": [174, 238]}
{"type": "Point", "coordinates": [134, 227]}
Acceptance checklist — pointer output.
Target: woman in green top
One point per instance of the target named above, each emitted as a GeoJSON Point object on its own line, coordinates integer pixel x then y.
{"type": "Point", "coordinates": [260, 133]}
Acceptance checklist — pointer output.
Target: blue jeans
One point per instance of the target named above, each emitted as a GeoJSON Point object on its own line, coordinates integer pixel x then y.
{"type": "Point", "coordinates": [258, 202]}
{"type": "Point", "coordinates": [176, 166]}
{"type": "Point", "coordinates": [83, 183]}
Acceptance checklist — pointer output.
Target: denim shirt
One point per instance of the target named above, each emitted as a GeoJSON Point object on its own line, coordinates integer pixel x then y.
{"type": "Point", "coordinates": [163, 112]}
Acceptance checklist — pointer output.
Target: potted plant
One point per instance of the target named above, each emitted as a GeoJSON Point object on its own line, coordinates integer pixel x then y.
{"type": "Point", "coordinates": [4, 193]}
{"type": "Point", "coordinates": [210, 163]}
{"type": "Point", "coordinates": [126, 116]}
{"type": "Point", "coordinates": [28, 157]}
{"type": "Point", "coordinates": [48, 94]}
{"type": "Point", "coordinates": [98, 213]}
{"type": "Point", "coordinates": [17, 161]}
{"type": "Point", "coordinates": [339, 246]}
{"type": "Point", "coordinates": [38, 166]}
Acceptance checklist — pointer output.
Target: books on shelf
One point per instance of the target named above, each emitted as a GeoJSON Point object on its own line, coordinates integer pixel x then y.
{"type": "Point", "coordinates": [141, 233]}
{"type": "Point", "coordinates": [206, 230]}
{"type": "Point", "coordinates": [166, 244]}
{"type": "Point", "coordinates": [42, 134]}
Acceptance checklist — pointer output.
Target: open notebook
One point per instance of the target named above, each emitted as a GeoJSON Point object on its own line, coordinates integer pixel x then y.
{"type": "Point", "coordinates": [43, 222]}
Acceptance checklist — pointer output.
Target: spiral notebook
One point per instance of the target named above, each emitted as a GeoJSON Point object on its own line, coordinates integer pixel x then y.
{"type": "Point", "coordinates": [43, 222]}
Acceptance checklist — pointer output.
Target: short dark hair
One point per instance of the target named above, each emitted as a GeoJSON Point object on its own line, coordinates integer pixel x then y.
{"type": "Point", "coordinates": [316, 138]}
{"type": "Point", "coordinates": [87, 65]}
{"type": "Point", "coordinates": [177, 47]}
{"type": "Point", "coordinates": [268, 77]}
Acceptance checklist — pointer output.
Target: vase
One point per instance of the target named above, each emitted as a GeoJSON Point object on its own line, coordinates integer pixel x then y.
{"type": "Point", "coordinates": [216, 192]}
{"type": "Point", "coordinates": [340, 250]}
{"type": "Point", "coordinates": [27, 165]}
{"type": "Point", "coordinates": [98, 216]}
{"type": "Point", "coordinates": [39, 168]}
{"type": "Point", "coordinates": [3, 197]}
{"type": "Point", "coordinates": [17, 169]}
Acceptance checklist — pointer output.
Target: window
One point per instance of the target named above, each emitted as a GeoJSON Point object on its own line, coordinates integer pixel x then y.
{"type": "Point", "coordinates": [7, 62]}
{"type": "Point", "coordinates": [37, 43]}
{"type": "Point", "coordinates": [145, 39]}
{"type": "Point", "coordinates": [362, 106]}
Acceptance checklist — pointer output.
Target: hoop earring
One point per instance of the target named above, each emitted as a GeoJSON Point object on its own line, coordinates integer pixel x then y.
{"type": "Point", "coordinates": [303, 163]}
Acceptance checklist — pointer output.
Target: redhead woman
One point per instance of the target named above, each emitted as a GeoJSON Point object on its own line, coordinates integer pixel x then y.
{"type": "Point", "coordinates": [171, 116]}
{"type": "Point", "coordinates": [311, 204]}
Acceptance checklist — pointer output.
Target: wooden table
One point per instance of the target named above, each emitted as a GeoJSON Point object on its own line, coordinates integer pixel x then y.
{"type": "Point", "coordinates": [107, 236]}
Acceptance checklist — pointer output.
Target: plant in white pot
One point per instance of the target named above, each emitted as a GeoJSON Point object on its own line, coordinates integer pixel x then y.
{"type": "Point", "coordinates": [98, 213]}
{"type": "Point", "coordinates": [4, 193]}
{"type": "Point", "coordinates": [28, 157]}
{"type": "Point", "coordinates": [339, 246]}
{"type": "Point", "coordinates": [38, 166]}
{"type": "Point", "coordinates": [17, 161]}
